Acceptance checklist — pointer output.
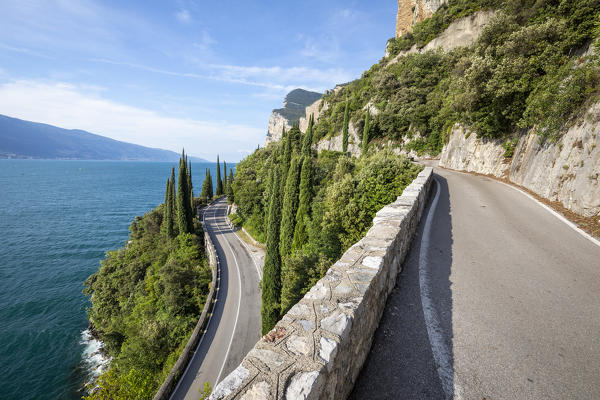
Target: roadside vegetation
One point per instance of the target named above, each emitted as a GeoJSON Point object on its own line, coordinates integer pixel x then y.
{"type": "Point", "coordinates": [526, 71]}
{"type": "Point", "coordinates": [147, 296]}
{"type": "Point", "coordinates": [309, 208]}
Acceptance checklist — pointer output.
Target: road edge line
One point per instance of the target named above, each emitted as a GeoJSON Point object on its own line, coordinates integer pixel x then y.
{"type": "Point", "coordinates": [441, 354]}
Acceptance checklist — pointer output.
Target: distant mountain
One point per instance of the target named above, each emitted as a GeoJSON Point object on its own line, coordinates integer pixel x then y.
{"type": "Point", "coordinates": [25, 139]}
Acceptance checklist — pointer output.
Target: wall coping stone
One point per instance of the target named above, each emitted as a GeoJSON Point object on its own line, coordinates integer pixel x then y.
{"type": "Point", "coordinates": [317, 349]}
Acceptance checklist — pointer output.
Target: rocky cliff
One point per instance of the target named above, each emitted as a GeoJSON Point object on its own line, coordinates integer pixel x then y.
{"type": "Point", "coordinates": [411, 12]}
{"type": "Point", "coordinates": [294, 106]}
{"type": "Point", "coordinates": [567, 171]}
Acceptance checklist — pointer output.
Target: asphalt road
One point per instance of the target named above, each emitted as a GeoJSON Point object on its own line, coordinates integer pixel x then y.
{"type": "Point", "coordinates": [234, 327]}
{"type": "Point", "coordinates": [498, 299]}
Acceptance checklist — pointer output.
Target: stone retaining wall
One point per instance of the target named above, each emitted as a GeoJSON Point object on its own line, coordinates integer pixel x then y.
{"type": "Point", "coordinates": [318, 348]}
{"type": "Point", "coordinates": [164, 393]}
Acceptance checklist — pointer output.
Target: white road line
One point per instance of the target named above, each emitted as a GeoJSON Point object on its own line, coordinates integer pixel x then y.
{"type": "Point", "coordinates": [238, 307]}
{"type": "Point", "coordinates": [442, 354]}
{"type": "Point", "coordinates": [250, 254]}
{"type": "Point", "coordinates": [557, 215]}
{"type": "Point", "coordinates": [549, 209]}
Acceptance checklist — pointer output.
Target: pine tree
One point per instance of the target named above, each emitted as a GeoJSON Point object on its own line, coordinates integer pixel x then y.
{"type": "Point", "coordinates": [365, 138]}
{"type": "Point", "coordinates": [345, 129]}
{"type": "Point", "coordinates": [219, 181]}
{"type": "Point", "coordinates": [230, 196]}
{"type": "Point", "coordinates": [307, 142]}
{"type": "Point", "coordinates": [290, 207]}
{"type": "Point", "coordinates": [271, 283]}
{"type": "Point", "coordinates": [304, 201]}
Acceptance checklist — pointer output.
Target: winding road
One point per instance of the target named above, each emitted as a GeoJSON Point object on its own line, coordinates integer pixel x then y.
{"type": "Point", "coordinates": [498, 299]}
{"type": "Point", "coordinates": [234, 327]}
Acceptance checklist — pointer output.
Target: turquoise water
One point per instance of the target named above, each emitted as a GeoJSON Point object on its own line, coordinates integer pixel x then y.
{"type": "Point", "coordinates": [57, 220]}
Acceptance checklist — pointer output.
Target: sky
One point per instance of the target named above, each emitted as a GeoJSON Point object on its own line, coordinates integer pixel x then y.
{"type": "Point", "coordinates": [204, 75]}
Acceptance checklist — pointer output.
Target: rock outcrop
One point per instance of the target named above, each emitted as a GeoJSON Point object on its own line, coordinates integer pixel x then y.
{"type": "Point", "coordinates": [411, 12]}
{"type": "Point", "coordinates": [294, 106]}
{"type": "Point", "coordinates": [461, 33]}
{"type": "Point", "coordinates": [567, 171]}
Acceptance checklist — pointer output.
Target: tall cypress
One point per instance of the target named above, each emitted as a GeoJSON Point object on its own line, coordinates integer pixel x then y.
{"type": "Point", "coordinates": [225, 183]}
{"type": "Point", "coordinates": [304, 201]}
{"type": "Point", "coordinates": [271, 282]}
{"type": "Point", "coordinates": [219, 181]}
{"type": "Point", "coordinates": [167, 222]}
{"type": "Point", "coordinates": [365, 138]}
{"type": "Point", "coordinates": [345, 129]}
{"type": "Point", "coordinates": [210, 190]}
{"type": "Point", "coordinates": [307, 142]}
{"type": "Point", "coordinates": [184, 212]}
{"type": "Point", "coordinates": [190, 185]}
{"type": "Point", "coordinates": [290, 207]}
{"type": "Point", "coordinates": [172, 210]}
{"type": "Point", "coordinates": [230, 196]}
{"type": "Point", "coordinates": [285, 161]}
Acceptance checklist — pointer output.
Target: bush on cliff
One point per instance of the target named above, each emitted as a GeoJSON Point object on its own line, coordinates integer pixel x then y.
{"type": "Point", "coordinates": [346, 194]}
{"type": "Point", "coordinates": [525, 71]}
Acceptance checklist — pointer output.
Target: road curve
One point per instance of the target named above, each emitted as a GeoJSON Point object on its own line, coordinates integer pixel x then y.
{"type": "Point", "coordinates": [498, 299]}
{"type": "Point", "coordinates": [234, 327]}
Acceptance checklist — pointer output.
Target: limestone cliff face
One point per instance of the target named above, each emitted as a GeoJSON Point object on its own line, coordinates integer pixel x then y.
{"type": "Point", "coordinates": [461, 33]}
{"type": "Point", "coordinates": [567, 171]}
{"type": "Point", "coordinates": [411, 12]}
{"type": "Point", "coordinates": [294, 106]}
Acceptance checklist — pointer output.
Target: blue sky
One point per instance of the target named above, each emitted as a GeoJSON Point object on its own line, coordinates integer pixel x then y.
{"type": "Point", "coordinates": [199, 74]}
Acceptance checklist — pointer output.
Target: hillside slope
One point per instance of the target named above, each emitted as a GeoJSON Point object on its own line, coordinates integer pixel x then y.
{"type": "Point", "coordinates": [25, 139]}
{"type": "Point", "coordinates": [504, 72]}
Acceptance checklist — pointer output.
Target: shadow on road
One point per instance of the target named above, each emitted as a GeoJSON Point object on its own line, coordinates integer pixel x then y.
{"type": "Point", "coordinates": [401, 363]}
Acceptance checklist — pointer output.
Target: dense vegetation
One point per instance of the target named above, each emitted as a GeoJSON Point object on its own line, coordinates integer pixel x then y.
{"type": "Point", "coordinates": [526, 71]}
{"type": "Point", "coordinates": [309, 208]}
{"type": "Point", "coordinates": [147, 297]}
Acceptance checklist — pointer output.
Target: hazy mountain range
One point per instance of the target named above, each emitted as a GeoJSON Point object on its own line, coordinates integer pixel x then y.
{"type": "Point", "coordinates": [26, 139]}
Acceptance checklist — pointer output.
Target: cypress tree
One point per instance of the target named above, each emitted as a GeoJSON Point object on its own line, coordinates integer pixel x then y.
{"type": "Point", "coordinates": [225, 183]}
{"type": "Point", "coordinates": [307, 142]}
{"type": "Point", "coordinates": [271, 283]}
{"type": "Point", "coordinates": [184, 213]}
{"type": "Point", "coordinates": [345, 129]}
{"type": "Point", "coordinates": [210, 191]}
{"type": "Point", "coordinates": [230, 197]}
{"type": "Point", "coordinates": [285, 162]}
{"type": "Point", "coordinates": [219, 181]}
{"type": "Point", "coordinates": [191, 188]}
{"type": "Point", "coordinates": [172, 202]}
{"type": "Point", "coordinates": [365, 138]}
{"type": "Point", "coordinates": [304, 201]}
{"type": "Point", "coordinates": [167, 222]}
{"type": "Point", "coordinates": [290, 207]}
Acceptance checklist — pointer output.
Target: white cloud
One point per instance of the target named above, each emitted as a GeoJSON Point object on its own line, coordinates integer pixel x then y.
{"type": "Point", "coordinates": [183, 16]}
{"type": "Point", "coordinates": [277, 78]}
{"type": "Point", "coordinates": [75, 107]}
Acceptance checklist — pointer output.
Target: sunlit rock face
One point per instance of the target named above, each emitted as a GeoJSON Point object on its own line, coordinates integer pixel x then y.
{"type": "Point", "coordinates": [294, 108]}
{"type": "Point", "coordinates": [411, 12]}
